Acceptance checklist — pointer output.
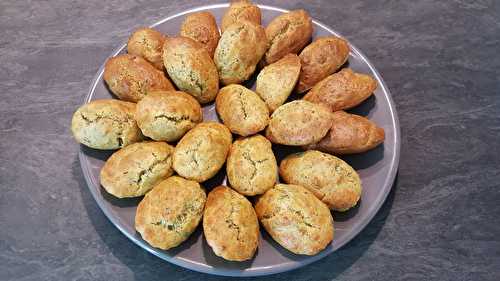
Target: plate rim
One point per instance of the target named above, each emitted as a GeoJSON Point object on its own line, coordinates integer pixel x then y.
{"type": "Point", "coordinates": [204, 268]}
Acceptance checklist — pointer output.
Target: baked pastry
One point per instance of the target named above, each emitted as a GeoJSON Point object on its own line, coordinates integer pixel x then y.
{"type": "Point", "coordinates": [147, 43]}
{"type": "Point", "coordinates": [137, 168]}
{"type": "Point", "coordinates": [131, 77]}
{"type": "Point", "coordinates": [288, 33]}
{"type": "Point", "coordinates": [251, 166]}
{"type": "Point", "coordinates": [241, 110]}
{"type": "Point", "coordinates": [296, 219]}
{"type": "Point", "coordinates": [299, 123]}
{"type": "Point", "coordinates": [238, 11]}
{"type": "Point", "coordinates": [167, 115]}
{"type": "Point", "coordinates": [332, 180]}
{"type": "Point", "coordinates": [201, 27]}
{"type": "Point", "coordinates": [201, 153]}
{"type": "Point", "coordinates": [191, 68]}
{"type": "Point", "coordinates": [106, 124]}
{"type": "Point", "coordinates": [321, 58]}
{"type": "Point", "coordinates": [276, 81]}
{"type": "Point", "coordinates": [170, 212]}
{"type": "Point", "coordinates": [230, 224]}
{"type": "Point", "coordinates": [349, 134]}
{"type": "Point", "coordinates": [240, 48]}
{"type": "Point", "coordinates": [342, 90]}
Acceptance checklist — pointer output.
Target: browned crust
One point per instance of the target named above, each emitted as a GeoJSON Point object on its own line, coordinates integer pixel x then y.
{"type": "Point", "coordinates": [276, 81]}
{"type": "Point", "coordinates": [130, 77]}
{"type": "Point", "coordinates": [241, 110]}
{"type": "Point", "coordinates": [239, 51]}
{"type": "Point", "coordinates": [167, 115]}
{"type": "Point", "coordinates": [106, 124]}
{"type": "Point", "coordinates": [202, 152]}
{"type": "Point", "coordinates": [329, 178]}
{"type": "Point", "coordinates": [147, 43]}
{"type": "Point", "coordinates": [342, 90]}
{"type": "Point", "coordinates": [298, 123]}
{"type": "Point", "coordinates": [288, 33]}
{"type": "Point", "coordinates": [230, 224]}
{"type": "Point", "coordinates": [137, 168]}
{"type": "Point", "coordinates": [251, 165]}
{"type": "Point", "coordinates": [202, 27]}
{"type": "Point", "coordinates": [321, 58]}
{"type": "Point", "coordinates": [295, 218]}
{"type": "Point", "coordinates": [349, 134]}
{"type": "Point", "coordinates": [170, 212]}
{"type": "Point", "coordinates": [240, 10]}
{"type": "Point", "coordinates": [191, 68]}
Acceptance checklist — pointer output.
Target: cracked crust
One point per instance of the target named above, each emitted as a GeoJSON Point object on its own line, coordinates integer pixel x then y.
{"type": "Point", "coordinates": [240, 10]}
{"type": "Point", "coordinates": [106, 124]}
{"type": "Point", "coordinates": [350, 134]}
{"type": "Point", "coordinates": [332, 180]}
{"type": "Point", "coordinates": [321, 58]}
{"type": "Point", "coordinates": [276, 81]}
{"type": "Point", "coordinates": [251, 165]}
{"type": "Point", "coordinates": [342, 90]}
{"type": "Point", "coordinates": [230, 224]}
{"type": "Point", "coordinates": [147, 43]}
{"type": "Point", "coordinates": [135, 169]}
{"type": "Point", "coordinates": [299, 123]}
{"type": "Point", "coordinates": [288, 33]}
{"type": "Point", "coordinates": [296, 219]}
{"type": "Point", "coordinates": [240, 48]}
{"type": "Point", "coordinates": [131, 77]}
{"type": "Point", "coordinates": [170, 212]}
{"type": "Point", "coordinates": [241, 110]}
{"type": "Point", "coordinates": [201, 27]}
{"type": "Point", "coordinates": [167, 115]}
{"type": "Point", "coordinates": [201, 153]}
{"type": "Point", "coordinates": [191, 68]}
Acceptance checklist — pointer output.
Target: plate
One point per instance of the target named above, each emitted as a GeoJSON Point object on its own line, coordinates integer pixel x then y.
{"type": "Point", "coordinates": [377, 169]}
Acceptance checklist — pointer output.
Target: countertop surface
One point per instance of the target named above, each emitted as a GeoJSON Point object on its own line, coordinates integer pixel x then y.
{"type": "Point", "coordinates": [440, 60]}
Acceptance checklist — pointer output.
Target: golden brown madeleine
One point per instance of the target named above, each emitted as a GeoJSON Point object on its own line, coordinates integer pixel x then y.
{"type": "Point", "coordinates": [241, 110]}
{"type": "Point", "coordinates": [321, 58]}
{"type": "Point", "coordinates": [276, 81]}
{"type": "Point", "coordinates": [106, 124]}
{"type": "Point", "coordinates": [332, 180]}
{"type": "Point", "coordinates": [147, 43]}
{"type": "Point", "coordinates": [350, 134]}
{"type": "Point", "coordinates": [288, 33]}
{"type": "Point", "coordinates": [131, 77]}
{"type": "Point", "coordinates": [342, 90]}
{"type": "Point", "coordinates": [240, 48]}
{"type": "Point", "coordinates": [170, 212]}
{"type": "Point", "coordinates": [251, 166]}
{"type": "Point", "coordinates": [296, 219]}
{"type": "Point", "coordinates": [240, 10]}
{"type": "Point", "coordinates": [230, 224]}
{"type": "Point", "coordinates": [299, 123]}
{"type": "Point", "coordinates": [201, 153]}
{"type": "Point", "coordinates": [191, 68]}
{"type": "Point", "coordinates": [201, 27]}
{"type": "Point", "coordinates": [137, 168]}
{"type": "Point", "coordinates": [167, 115]}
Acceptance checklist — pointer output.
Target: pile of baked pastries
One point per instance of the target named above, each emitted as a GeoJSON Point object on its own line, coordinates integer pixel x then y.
{"type": "Point", "coordinates": [166, 149]}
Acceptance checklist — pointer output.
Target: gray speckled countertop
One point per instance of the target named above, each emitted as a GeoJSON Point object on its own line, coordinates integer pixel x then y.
{"type": "Point", "coordinates": [439, 58]}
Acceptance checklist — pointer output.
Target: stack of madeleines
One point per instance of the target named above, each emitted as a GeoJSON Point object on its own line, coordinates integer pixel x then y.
{"type": "Point", "coordinates": [157, 125]}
